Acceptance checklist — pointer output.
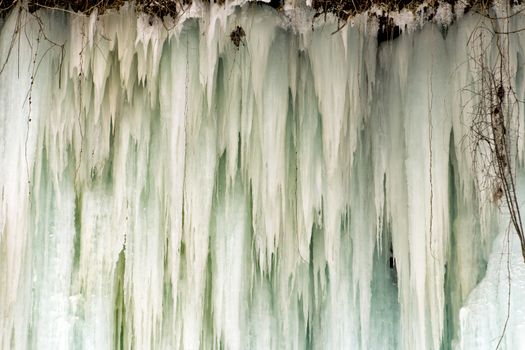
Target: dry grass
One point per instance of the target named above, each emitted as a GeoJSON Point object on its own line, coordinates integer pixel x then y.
{"type": "Point", "coordinates": [341, 8]}
{"type": "Point", "coordinates": [159, 8]}
{"type": "Point", "coordinates": [344, 9]}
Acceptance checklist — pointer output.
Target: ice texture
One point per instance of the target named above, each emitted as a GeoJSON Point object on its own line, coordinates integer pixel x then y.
{"type": "Point", "coordinates": [164, 188]}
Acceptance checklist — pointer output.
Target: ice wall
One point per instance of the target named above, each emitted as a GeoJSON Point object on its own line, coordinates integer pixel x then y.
{"type": "Point", "coordinates": [162, 188]}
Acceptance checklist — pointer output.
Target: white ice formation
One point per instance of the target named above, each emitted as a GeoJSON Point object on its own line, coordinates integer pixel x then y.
{"type": "Point", "coordinates": [161, 188]}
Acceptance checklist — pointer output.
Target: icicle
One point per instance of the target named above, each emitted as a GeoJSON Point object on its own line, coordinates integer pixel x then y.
{"type": "Point", "coordinates": [169, 187]}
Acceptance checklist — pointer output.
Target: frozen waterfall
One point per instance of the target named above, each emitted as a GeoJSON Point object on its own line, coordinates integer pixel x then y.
{"type": "Point", "coordinates": [311, 188]}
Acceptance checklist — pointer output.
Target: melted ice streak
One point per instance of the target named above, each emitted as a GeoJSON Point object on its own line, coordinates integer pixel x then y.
{"type": "Point", "coordinates": [172, 191]}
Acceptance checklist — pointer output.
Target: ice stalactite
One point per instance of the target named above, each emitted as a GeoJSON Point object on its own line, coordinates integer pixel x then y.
{"type": "Point", "coordinates": [165, 188]}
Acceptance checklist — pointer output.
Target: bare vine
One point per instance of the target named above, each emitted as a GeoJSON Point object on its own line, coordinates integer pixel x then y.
{"type": "Point", "coordinates": [24, 19]}
{"type": "Point", "coordinates": [493, 138]}
{"type": "Point", "coordinates": [494, 126]}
